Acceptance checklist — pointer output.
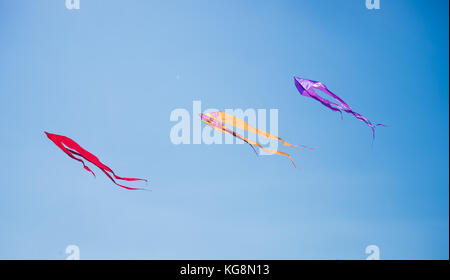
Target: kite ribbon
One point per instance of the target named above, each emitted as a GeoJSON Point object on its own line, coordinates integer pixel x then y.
{"type": "Point", "coordinates": [236, 122]}
{"type": "Point", "coordinates": [71, 148]}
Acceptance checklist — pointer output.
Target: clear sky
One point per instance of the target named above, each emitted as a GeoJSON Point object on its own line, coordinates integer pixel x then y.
{"type": "Point", "coordinates": [109, 74]}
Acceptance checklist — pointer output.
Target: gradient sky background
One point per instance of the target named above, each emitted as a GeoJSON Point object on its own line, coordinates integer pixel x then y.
{"type": "Point", "coordinates": [109, 75]}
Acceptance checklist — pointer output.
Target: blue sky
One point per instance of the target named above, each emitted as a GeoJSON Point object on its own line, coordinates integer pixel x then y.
{"type": "Point", "coordinates": [109, 75]}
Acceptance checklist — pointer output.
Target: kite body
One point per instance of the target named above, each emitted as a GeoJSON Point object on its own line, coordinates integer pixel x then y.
{"type": "Point", "coordinates": [306, 88]}
{"type": "Point", "coordinates": [73, 150]}
{"type": "Point", "coordinates": [217, 120]}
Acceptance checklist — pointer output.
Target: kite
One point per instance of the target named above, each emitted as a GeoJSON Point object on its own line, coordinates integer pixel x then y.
{"type": "Point", "coordinates": [217, 120]}
{"type": "Point", "coordinates": [306, 88]}
{"type": "Point", "coordinates": [72, 149]}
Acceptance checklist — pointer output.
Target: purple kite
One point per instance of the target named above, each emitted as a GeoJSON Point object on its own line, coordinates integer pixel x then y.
{"type": "Point", "coordinates": [306, 88]}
